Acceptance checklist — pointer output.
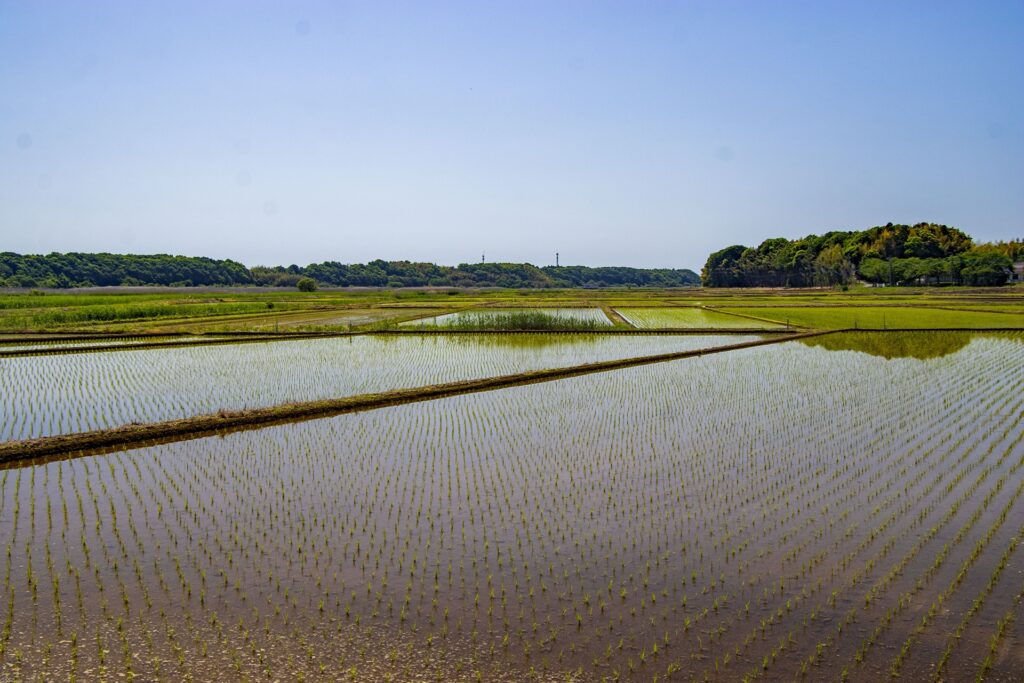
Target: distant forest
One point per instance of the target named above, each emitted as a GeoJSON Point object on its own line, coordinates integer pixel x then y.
{"type": "Point", "coordinates": [922, 254]}
{"type": "Point", "coordinates": [91, 270]}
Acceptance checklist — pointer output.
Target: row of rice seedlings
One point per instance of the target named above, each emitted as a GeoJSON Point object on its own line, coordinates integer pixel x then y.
{"type": "Point", "coordinates": [554, 527]}
{"type": "Point", "coordinates": [944, 612]}
{"type": "Point", "coordinates": [57, 344]}
{"type": "Point", "coordinates": [995, 641]}
{"type": "Point", "coordinates": [879, 532]}
{"type": "Point", "coordinates": [939, 600]}
{"type": "Point", "coordinates": [42, 396]}
{"type": "Point", "coordinates": [899, 570]}
{"type": "Point", "coordinates": [691, 316]}
{"type": "Point", "coordinates": [976, 606]}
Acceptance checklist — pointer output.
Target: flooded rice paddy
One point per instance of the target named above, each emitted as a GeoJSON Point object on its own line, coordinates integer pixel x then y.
{"type": "Point", "coordinates": [61, 394]}
{"type": "Point", "coordinates": [885, 317]}
{"type": "Point", "coordinates": [763, 514]}
{"type": "Point", "coordinates": [482, 316]}
{"type": "Point", "coordinates": [680, 317]}
{"type": "Point", "coordinates": [59, 344]}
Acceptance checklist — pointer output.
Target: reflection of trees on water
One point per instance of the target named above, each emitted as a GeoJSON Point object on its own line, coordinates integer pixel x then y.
{"type": "Point", "coordinates": [920, 345]}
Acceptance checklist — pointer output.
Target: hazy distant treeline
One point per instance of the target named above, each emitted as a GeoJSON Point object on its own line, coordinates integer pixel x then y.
{"type": "Point", "coordinates": [89, 270]}
{"type": "Point", "coordinates": [516, 275]}
{"type": "Point", "coordinates": [922, 254]}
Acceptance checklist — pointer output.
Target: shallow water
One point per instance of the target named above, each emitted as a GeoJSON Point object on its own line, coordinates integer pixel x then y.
{"type": "Point", "coordinates": [482, 316]}
{"type": "Point", "coordinates": [919, 345]}
{"type": "Point", "coordinates": [680, 317]}
{"type": "Point", "coordinates": [59, 394]}
{"type": "Point", "coordinates": [43, 346]}
{"type": "Point", "coordinates": [734, 510]}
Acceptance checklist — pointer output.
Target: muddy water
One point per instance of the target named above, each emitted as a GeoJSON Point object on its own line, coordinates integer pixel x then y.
{"type": "Point", "coordinates": [712, 517]}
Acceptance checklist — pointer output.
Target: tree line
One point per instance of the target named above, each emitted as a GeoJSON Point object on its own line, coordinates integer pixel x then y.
{"type": "Point", "coordinates": [91, 270]}
{"type": "Point", "coordinates": [107, 270]}
{"type": "Point", "coordinates": [921, 254]}
{"type": "Point", "coordinates": [925, 253]}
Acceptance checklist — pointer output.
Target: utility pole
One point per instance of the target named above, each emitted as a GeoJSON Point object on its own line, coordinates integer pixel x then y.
{"type": "Point", "coordinates": [556, 259]}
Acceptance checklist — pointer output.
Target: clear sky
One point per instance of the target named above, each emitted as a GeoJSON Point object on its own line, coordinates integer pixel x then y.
{"type": "Point", "coordinates": [620, 133]}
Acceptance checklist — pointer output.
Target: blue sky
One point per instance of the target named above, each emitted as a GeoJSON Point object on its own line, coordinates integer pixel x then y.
{"type": "Point", "coordinates": [625, 133]}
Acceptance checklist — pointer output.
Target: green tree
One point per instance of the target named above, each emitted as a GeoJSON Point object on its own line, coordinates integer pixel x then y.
{"type": "Point", "coordinates": [985, 268]}
{"type": "Point", "coordinates": [831, 267]}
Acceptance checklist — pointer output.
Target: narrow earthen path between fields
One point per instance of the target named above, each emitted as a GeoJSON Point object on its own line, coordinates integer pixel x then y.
{"type": "Point", "coordinates": [617, 319]}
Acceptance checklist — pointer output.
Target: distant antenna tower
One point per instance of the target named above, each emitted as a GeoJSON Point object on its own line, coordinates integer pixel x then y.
{"type": "Point", "coordinates": [556, 259]}
{"type": "Point", "coordinates": [483, 257]}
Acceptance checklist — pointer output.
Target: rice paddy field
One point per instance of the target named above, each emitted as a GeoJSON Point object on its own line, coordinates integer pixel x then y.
{"type": "Point", "coordinates": [486, 317]}
{"type": "Point", "coordinates": [820, 505]}
{"type": "Point", "coordinates": [679, 317]}
{"type": "Point", "coordinates": [881, 317]}
{"type": "Point", "coordinates": [44, 346]}
{"type": "Point", "coordinates": [351, 318]}
{"type": "Point", "coordinates": [62, 394]}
